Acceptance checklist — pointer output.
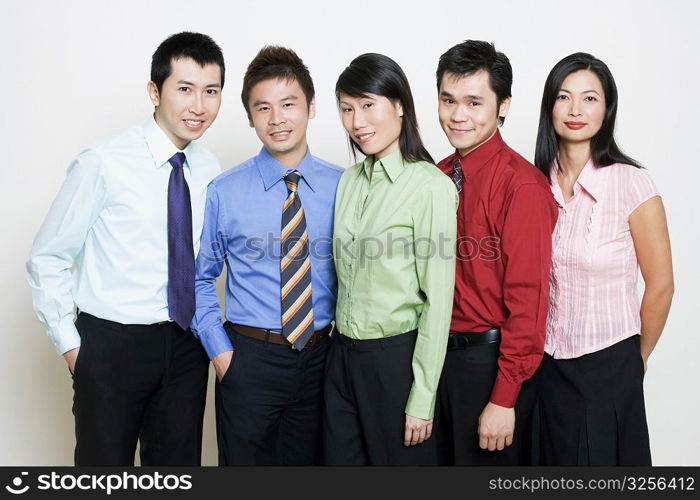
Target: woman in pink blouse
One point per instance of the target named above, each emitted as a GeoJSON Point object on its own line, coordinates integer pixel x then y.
{"type": "Point", "coordinates": [611, 222]}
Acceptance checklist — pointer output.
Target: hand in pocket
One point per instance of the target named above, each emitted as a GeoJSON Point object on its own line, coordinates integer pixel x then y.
{"type": "Point", "coordinates": [221, 363]}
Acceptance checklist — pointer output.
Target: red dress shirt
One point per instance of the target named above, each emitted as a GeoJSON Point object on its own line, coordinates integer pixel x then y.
{"type": "Point", "coordinates": [505, 221]}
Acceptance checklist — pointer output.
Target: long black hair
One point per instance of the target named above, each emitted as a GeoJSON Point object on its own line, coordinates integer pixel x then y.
{"type": "Point", "coordinates": [604, 150]}
{"type": "Point", "coordinates": [380, 75]}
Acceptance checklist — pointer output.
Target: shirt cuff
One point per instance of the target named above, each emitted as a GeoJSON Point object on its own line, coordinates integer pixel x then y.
{"type": "Point", "coordinates": [421, 403]}
{"type": "Point", "coordinates": [65, 336]}
{"type": "Point", "coordinates": [215, 340]}
{"type": "Point", "coordinates": [505, 393]}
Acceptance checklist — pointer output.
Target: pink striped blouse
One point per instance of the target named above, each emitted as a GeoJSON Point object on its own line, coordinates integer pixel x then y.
{"type": "Point", "coordinates": [593, 280]}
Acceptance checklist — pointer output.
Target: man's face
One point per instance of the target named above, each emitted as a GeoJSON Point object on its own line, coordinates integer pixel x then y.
{"type": "Point", "coordinates": [280, 114]}
{"type": "Point", "coordinates": [468, 110]}
{"type": "Point", "coordinates": [188, 102]}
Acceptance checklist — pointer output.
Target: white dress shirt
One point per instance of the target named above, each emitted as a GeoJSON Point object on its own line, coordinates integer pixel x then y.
{"type": "Point", "coordinates": [104, 243]}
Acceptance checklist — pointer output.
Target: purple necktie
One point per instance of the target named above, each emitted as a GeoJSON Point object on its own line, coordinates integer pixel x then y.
{"type": "Point", "coordinates": [180, 247]}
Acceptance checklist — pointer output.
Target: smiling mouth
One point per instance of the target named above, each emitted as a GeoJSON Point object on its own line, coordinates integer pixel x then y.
{"type": "Point", "coordinates": [461, 130]}
{"type": "Point", "coordinates": [193, 124]}
{"type": "Point", "coordinates": [575, 125]}
{"type": "Point", "coordinates": [280, 134]}
{"type": "Point", "coordinates": [363, 138]}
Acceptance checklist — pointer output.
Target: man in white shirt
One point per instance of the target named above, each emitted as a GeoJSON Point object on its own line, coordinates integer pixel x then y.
{"type": "Point", "coordinates": [129, 217]}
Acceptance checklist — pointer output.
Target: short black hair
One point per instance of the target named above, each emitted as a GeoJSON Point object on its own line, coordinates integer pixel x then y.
{"type": "Point", "coordinates": [275, 62]}
{"type": "Point", "coordinates": [198, 47]}
{"type": "Point", "coordinates": [472, 56]}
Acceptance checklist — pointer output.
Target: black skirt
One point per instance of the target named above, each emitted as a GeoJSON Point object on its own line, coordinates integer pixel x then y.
{"type": "Point", "coordinates": [592, 408]}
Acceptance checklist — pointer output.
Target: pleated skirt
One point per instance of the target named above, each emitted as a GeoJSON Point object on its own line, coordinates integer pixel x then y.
{"type": "Point", "coordinates": [592, 408]}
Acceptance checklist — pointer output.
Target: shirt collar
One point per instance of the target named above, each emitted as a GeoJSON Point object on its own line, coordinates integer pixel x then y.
{"type": "Point", "coordinates": [554, 182]}
{"type": "Point", "coordinates": [479, 157]}
{"type": "Point", "coordinates": [392, 164]}
{"type": "Point", "coordinates": [272, 171]}
{"type": "Point", "coordinates": [160, 145]}
{"type": "Point", "coordinates": [591, 179]}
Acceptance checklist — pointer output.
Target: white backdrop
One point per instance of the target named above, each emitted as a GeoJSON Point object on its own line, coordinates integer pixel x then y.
{"type": "Point", "coordinates": [76, 70]}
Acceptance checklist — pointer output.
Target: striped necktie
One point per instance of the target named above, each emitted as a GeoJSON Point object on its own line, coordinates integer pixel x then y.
{"type": "Point", "coordinates": [457, 175]}
{"type": "Point", "coordinates": [295, 268]}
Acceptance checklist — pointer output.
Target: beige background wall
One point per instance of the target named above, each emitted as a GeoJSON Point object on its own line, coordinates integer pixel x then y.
{"type": "Point", "coordinates": [73, 71]}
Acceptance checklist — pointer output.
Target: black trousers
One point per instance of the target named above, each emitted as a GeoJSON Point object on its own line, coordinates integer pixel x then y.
{"type": "Point", "coordinates": [464, 390]}
{"type": "Point", "coordinates": [138, 383]}
{"type": "Point", "coordinates": [367, 388]}
{"type": "Point", "coordinates": [592, 408]}
{"type": "Point", "coordinates": [269, 403]}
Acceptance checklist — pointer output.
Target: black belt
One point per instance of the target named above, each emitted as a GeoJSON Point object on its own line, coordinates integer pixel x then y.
{"type": "Point", "coordinates": [462, 340]}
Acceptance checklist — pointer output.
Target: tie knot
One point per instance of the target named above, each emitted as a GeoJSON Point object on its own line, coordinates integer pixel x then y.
{"type": "Point", "coordinates": [292, 180]}
{"type": "Point", "coordinates": [178, 160]}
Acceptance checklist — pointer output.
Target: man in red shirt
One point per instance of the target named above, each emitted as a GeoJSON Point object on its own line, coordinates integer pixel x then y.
{"type": "Point", "coordinates": [505, 221]}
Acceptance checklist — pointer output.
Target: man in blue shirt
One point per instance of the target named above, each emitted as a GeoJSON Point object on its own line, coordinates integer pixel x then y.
{"type": "Point", "coordinates": [128, 218]}
{"type": "Point", "coordinates": [271, 220]}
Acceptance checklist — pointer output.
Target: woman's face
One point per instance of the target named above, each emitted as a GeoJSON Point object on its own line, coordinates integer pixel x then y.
{"type": "Point", "coordinates": [579, 108]}
{"type": "Point", "coordinates": [373, 122]}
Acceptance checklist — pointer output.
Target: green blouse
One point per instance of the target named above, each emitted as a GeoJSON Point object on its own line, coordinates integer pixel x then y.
{"type": "Point", "coordinates": [394, 240]}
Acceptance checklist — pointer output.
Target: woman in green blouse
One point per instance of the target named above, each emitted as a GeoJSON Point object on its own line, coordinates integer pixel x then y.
{"type": "Point", "coordinates": [394, 240]}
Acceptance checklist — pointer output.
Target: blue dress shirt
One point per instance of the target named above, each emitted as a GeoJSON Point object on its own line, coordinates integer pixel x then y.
{"type": "Point", "coordinates": [109, 220]}
{"type": "Point", "coordinates": [242, 224]}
